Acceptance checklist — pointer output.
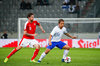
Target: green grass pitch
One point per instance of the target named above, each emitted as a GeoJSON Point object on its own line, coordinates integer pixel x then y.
{"type": "Point", "coordinates": [79, 56]}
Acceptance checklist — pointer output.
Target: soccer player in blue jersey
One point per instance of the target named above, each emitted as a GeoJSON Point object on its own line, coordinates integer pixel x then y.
{"type": "Point", "coordinates": [55, 40]}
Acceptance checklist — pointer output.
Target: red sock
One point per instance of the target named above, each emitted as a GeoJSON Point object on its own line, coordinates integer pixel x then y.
{"type": "Point", "coordinates": [35, 54]}
{"type": "Point", "coordinates": [13, 52]}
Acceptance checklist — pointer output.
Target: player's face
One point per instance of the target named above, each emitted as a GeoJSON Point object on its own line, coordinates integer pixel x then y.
{"type": "Point", "coordinates": [61, 24]}
{"type": "Point", "coordinates": [31, 18]}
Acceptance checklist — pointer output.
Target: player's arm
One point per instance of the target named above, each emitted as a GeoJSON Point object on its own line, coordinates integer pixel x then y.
{"type": "Point", "coordinates": [51, 34]}
{"type": "Point", "coordinates": [67, 34]}
{"type": "Point", "coordinates": [50, 39]}
{"type": "Point", "coordinates": [25, 33]}
{"type": "Point", "coordinates": [41, 28]}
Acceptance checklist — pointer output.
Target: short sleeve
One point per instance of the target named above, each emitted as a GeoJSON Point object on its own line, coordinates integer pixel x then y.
{"type": "Point", "coordinates": [65, 31]}
{"type": "Point", "coordinates": [37, 23]}
{"type": "Point", "coordinates": [53, 31]}
{"type": "Point", "coordinates": [25, 26]}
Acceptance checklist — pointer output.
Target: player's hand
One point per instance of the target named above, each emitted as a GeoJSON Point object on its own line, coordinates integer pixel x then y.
{"type": "Point", "coordinates": [74, 37]}
{"type": "Point", "coordinates": [50, 43]}
{"type": "Point", "coordinates": [34, 34]}
{"type": "Point", "coordinates": [43, 31]}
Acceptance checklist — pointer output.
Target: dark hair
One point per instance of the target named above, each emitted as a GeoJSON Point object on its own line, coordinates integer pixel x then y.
{"type": "Point", "coordinates": [60, 21]}
{"type": "Point", "coordinates": [29, 15]}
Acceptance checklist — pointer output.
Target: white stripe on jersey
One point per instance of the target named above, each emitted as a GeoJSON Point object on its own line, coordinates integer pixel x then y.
{"type": "Point", "coordinates": [25, 25]}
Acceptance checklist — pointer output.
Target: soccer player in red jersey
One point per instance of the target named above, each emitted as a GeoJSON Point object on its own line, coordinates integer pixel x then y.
{"type": "Point", "coordinates": [28, 37]}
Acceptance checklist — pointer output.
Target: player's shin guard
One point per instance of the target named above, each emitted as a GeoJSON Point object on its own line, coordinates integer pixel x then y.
{"type": "Point", "coordinates": [35, 54]}
{"type": "Point", "coordinates": [42, 56]}
{"type": "Point", "coordinates": [13, 52]}
{"type": "Point", "coordinates": [65, 53]}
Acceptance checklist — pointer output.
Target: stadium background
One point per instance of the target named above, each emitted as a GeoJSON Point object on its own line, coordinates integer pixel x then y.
{"type": "Point", "coordinates": [10, 12]}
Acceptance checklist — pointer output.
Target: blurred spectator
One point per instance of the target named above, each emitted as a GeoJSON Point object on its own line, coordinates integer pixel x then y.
{"type": "Point", "coordinates": [66, 2]}
{"type": "Point", "coordinates": [5, 35]}
{"type": "Point", "coordinates": [65, 5]}
{"type": "Point", "coordinates": [71, 8]}
{"type": "Point", "coordinates": [28, 5]}
{"type": "Point", "coordinates": [39, 2]}
{"type": "Point", "coordinates": [73, 2]}
{"type": "Point", "coordinates": [45, 2]}
{"type": "Point", "coordinates": [42, 2]}
{"type": "Point", "coordinates": [23, 5]}
{"type": "Point", "coordinates": [77, 10]}
{"type": "Point", "coordinates": [69, 2]}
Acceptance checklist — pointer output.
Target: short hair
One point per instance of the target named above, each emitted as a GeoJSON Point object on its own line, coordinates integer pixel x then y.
{"type": "Point", "coordinates": [60, 21]}
{"type": "Point", "coordinates": [29, 15]}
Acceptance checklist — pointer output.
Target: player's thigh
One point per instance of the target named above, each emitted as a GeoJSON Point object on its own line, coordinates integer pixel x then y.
{"type": "Point", "coordinates": [51, 46]}
{"type": "Point", "coordinates": [25, 42]}
{"type": "Point", "coordinates": [34, 43]}
{"type": "Point", "coordinates": [37, 46]}
{"type": "Point", "coordinates": [66, 47]}
{"type": "Point", "coordinates": [60, 44]}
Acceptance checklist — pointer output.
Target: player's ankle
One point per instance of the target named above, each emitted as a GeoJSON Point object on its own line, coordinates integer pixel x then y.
{"type": "Point", "coordinates": [32, 59]}
{"type": "Point", "coordinates": [39, 61]}
{"type": "Point", "coordinates": [62, 60]}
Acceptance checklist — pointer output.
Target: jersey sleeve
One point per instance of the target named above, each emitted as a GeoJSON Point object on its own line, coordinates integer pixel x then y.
{"type": "Point", "coordinates": [53, 31]}
{"type": "Point", "coordinates": [37, 23]}
{"type": "Point", "coordinates": [65, 30]}
{"type": "Point", "coordinates": [25, 27]}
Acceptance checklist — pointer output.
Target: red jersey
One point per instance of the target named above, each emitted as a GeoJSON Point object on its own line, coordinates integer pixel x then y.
{"type": "Point", "coordinates": [30, 28]}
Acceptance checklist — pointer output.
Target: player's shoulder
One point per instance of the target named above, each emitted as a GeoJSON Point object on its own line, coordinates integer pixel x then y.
{"type": "Point", "coordinates": [26, 23]}
{"type": "Point", "coordinates": [64, 27]}
{"type": "Point", "coordinates": [35, 21]}
{"type": "Point", "coordinates": [56, 27]}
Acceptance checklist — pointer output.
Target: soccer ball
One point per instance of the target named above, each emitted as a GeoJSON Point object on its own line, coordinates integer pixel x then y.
{"type": "Point", "coordinates": [67, 60]}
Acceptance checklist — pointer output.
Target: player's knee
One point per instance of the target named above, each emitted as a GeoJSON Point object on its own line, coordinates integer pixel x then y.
{"type": "Point", "coordinates": [68, 48]}
{"type": "Point", "coordinates": [18, 48]}
{"type": "Point", "coordinates": [37, 46]}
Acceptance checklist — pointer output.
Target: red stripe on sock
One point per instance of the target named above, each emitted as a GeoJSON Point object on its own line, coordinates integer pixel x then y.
{"type": "Point", "coordinates": [35, 54]}
{"type": "Point", "coordinates": [13, 52]}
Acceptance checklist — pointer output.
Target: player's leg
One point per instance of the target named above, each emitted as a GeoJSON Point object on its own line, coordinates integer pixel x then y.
{"type": "Point", "coordinates": [12, 52]}
{"type": "Point", "coordinates": [23, 43]}
{"type": "Point", "coordinates": [44, 54]}
{"type": "Point", "coordinates": [66, 48]}
{"type": "Point", "coordinates": [37, 46]}
{"type": "Point", "coordinates": [49, 48]}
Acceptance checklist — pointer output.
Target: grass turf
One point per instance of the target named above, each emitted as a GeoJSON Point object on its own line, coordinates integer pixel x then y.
{"type": "Point", "coordinates": [79, 56]}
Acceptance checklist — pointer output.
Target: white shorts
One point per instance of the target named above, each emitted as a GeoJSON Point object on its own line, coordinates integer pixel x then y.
{"type": "Point", "coordinates": [30, 42]}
